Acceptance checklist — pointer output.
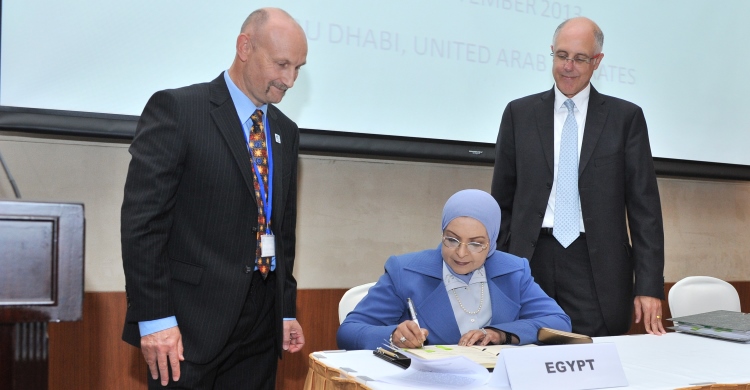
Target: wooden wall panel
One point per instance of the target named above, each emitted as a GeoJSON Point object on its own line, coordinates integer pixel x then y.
{"type": "Point", "coordinates": [743, 289]}
{"type": "Point", "coordinates": [89, 354]}
{"type": "Point", "coordinates": [318, 313]}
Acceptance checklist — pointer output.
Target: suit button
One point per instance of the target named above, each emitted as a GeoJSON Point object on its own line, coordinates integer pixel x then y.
{"type": "Point", "coordinates": [533, 244]}
{"type": "Point", "coordinates": [541, 215]}
{"type": "Point", "coordinates": [248, 269]}
{"type": "Point", "coordinates": [549, 185]}
{"type": "Point", "coordinates": [255, 229]}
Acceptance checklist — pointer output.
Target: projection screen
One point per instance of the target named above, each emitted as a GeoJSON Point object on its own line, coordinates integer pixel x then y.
{"type": "Point", "coordinates": [436, 72]}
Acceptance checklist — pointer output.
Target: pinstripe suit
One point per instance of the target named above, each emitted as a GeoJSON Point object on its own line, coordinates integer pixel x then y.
{"type": "Point", "coordinates": [189, 217]}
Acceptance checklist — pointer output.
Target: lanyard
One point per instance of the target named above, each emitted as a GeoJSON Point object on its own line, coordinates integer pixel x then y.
{"type": "Point", "coordinates": [267, 198]}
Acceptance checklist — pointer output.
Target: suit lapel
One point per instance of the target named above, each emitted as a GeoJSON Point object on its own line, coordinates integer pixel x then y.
{"type": "Point", "coordinates": [544, 113]}
{"type": "Point", "coordinates": [443, 326]}
{"type": "Point", "coordinates": [595, 119]}
{"type": "Point", "coordinates": [435, 301]}
{"type": "Point", "coordinates": [503, 307]}
{"type": "Point", "coordinates": [278, 165]}
{"type": "Point", "coordinates": [225, 117]}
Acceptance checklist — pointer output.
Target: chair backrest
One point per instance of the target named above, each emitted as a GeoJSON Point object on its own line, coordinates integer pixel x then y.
{"type": "Point", "coordinates": [351, 298]}
{"type": "Point", "coordinates": [700, 294]}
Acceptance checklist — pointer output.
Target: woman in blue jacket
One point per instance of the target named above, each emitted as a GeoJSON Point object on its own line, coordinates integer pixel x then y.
{"type": "Point", "coordinates": [464, 292]}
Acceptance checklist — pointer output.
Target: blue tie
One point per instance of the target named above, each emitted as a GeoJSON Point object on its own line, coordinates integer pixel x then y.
{"type": "Point", "coordinates": [567, 211]}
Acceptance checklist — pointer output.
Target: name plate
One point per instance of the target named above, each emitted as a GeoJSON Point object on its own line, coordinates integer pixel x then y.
{"type": "Point", "coordinates": [564, 367]}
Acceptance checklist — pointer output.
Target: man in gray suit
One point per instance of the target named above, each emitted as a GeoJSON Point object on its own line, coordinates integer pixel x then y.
{"type": "Point", "coordinates": [209, 218]}
{"type": "Point", "coordinates": [574, 171]}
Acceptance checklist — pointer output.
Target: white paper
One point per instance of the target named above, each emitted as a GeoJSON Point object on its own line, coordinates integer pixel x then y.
{"type": "Point", "coordinates": [449, 373]}
{"type": "Point", "coordinates": [499, 377]}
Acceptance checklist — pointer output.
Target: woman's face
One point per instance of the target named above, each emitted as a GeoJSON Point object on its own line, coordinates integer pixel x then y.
{"type": "Point", "coordinates": [465, 230]}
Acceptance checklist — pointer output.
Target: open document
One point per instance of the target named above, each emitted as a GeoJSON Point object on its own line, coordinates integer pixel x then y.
{"type": "Point", "coordinates": [486, 355]}
{"type": "Point", "coordinates": [457, 372]}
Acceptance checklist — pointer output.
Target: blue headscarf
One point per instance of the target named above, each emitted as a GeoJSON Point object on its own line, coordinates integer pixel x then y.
{"type": "Point", "coordinates": [475, 204]}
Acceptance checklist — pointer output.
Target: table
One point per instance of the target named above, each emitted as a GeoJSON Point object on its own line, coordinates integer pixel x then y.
{"type": "Point", "coordinates": [674, 360]}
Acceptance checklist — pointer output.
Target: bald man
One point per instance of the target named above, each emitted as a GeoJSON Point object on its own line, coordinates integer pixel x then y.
{"type": "Point", "coordinates": [209, 218]}
{"type": "Point", "coordinates": [573, 170]}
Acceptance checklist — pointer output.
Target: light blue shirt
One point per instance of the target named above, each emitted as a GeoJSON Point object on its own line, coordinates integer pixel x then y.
{"type": "Point", "coordinates": [468, 295]}
{"type": "Point", "coordinates": [465, 278]}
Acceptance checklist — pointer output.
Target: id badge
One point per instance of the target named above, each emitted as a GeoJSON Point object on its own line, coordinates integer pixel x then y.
{"type": "Point", "coordinates": [267, 245]}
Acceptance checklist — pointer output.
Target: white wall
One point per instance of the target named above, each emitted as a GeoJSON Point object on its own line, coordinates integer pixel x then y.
{"type": "Point", "coordinates": [354, 213]}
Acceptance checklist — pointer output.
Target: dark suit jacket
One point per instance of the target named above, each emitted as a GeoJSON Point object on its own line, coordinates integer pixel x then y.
{"type": "Point", "coordinates": [616, 181]}
{"type": "Point", "coordinates": [519, 305]}
{"type": "Point", "coordinates": [189, 217]}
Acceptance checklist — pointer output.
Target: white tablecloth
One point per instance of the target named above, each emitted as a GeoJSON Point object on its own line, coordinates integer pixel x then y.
{"type": "Point", "coordinates": [650, 362]}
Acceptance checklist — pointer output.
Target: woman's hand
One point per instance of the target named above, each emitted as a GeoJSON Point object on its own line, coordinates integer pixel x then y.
{"type": "Point", "coordinates": [482, 336]}
{"type": "Point", "coordinates": [409, 335]}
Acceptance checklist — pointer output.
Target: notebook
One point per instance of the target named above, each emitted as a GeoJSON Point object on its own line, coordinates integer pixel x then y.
{"type": "Point", "coordinates": [719, 324]}
{"type": "Point", "coordinates": [724, 319]}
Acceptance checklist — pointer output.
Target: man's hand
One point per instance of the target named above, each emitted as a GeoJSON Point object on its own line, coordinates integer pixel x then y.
{"type": "Point", "coordinates": [293, 337]}
{"type": "Point", "coordinates": [162, 348]}
{"type": "Point", "coordinates": [649, 308]}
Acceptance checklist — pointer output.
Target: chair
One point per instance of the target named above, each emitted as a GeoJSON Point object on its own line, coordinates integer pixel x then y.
{"type": "Point", "coordinates": [700, 294]}
{"type": "Point", "coordinates": [351, 298]}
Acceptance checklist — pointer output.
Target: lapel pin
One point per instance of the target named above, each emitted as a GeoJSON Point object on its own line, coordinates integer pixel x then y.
{"type": "Point", "coordinates": [278, 138]}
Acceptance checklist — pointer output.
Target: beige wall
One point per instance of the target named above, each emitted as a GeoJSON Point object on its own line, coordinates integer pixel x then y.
{"type": "Point", "coordinates": [354, 213]}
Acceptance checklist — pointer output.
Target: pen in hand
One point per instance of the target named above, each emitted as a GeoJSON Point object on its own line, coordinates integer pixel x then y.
{"type": "Point", "coordinates": [413, 313]}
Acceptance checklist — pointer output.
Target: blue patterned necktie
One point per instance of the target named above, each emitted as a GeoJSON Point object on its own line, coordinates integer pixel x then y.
{"type": "Point", "coordinates": [567, 209]}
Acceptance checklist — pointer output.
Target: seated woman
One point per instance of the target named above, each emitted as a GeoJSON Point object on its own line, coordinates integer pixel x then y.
{"type": "Point", "coordinates": [464, 292]}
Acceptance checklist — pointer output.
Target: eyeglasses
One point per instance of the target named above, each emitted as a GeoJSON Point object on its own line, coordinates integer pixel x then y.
{"type": "Point", "coordinates": [578, 60]}
{"type": "Point", "coordinates": [473, 247]}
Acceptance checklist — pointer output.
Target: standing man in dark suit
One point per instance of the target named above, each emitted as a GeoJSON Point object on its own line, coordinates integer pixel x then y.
{"type": "Point", "coordinates": [574, 171]}
{"type": "Point", "coordinates": [209, 218]}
